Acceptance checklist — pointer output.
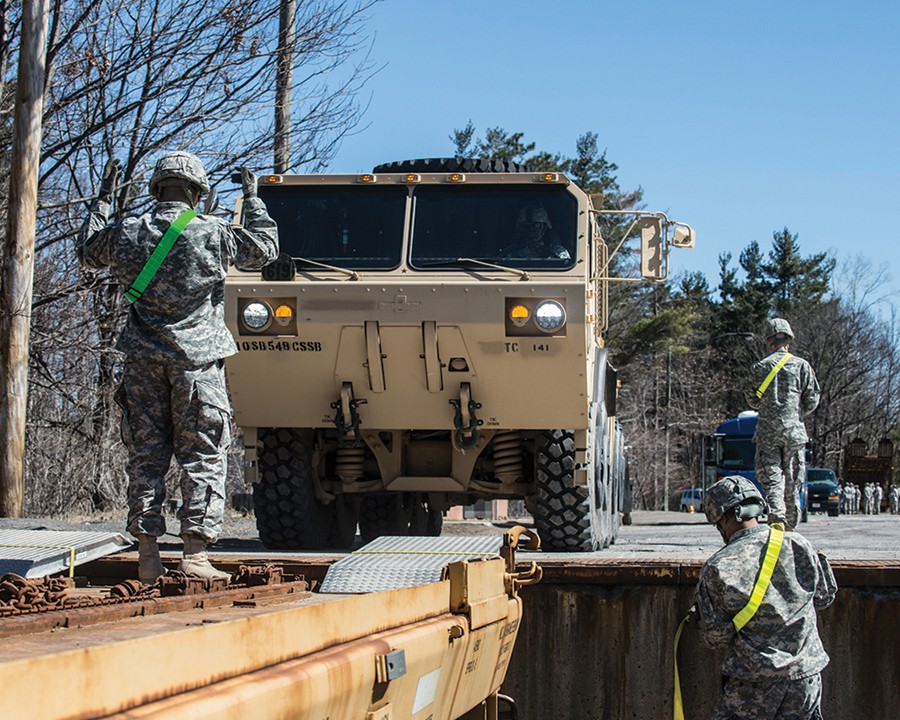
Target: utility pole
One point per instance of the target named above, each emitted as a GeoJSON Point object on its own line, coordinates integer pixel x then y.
{"type": "Point", "coordinates": [18, 256]}
{"type": "Point", "coordinates": [284, 79]}
{"type": "Point", "coordinates": [666, 421]}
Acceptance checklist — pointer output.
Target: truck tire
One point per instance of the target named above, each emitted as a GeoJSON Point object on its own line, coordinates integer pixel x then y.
{"type": "Point", "coordinates": [288, 515]}
{"type": "Point", "coordinates": [382, 515]}
{"type": "Point", "coordinates": [562, 510]}
{"type": "Point", "coordinates": [423, 519]}
{"type": "Point", "coordinates": [451, 165]}
{"type": "Point", "coordinates": [344, 518]}
{"type": "Point", "coordinates": [398, 514]}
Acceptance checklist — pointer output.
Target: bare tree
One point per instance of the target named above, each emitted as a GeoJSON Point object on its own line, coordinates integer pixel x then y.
{"type": "Point", "coordinates": [133, 79]}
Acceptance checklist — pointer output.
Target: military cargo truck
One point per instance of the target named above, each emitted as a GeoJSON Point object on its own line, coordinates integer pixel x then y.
{"type": "Point", "coordinates": [432, 334]}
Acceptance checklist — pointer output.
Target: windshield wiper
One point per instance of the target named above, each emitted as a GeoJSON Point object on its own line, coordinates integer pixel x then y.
{"type": "Point", "coordinates": [478, 261]}
{"type": "Point", "coordinates": [352, 274]}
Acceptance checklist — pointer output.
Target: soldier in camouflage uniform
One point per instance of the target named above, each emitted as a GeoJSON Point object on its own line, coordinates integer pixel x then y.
{"type": "Point", "coordinates": [173, 395]}
{"type": "Point", "coordinates": [792, 393]}
{"type": "Point", "coordinates": [535, 237]}
{"type": "Point", "coordinates": [868, 499]}
{"type": "Point", "coordinates": [773, 663]}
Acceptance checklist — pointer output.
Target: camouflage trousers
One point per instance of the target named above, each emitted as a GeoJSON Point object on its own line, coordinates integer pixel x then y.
{"type": "Point", "coordinates": [171, 410]}
{"type": "Point", "coordinates": [771, 699]}
{"type": "Point", "coordinates": [779, 471]}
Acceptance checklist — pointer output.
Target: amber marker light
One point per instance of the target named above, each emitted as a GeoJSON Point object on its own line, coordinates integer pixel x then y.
{"type": "Point", "coordinates": [456, 178]}
{"type": "Point", "coordinates": [273, 179]}
{"type": "Point", "coordinates": [519, 315]}
{"type": "Point", "coordinates": [550, 177]}
{"type": "Point", "coordinates": [366, 179]}
{"type": "Point", "coordinates": [411, 178]}
{"type": "Point", "coordinates": [284, 311]}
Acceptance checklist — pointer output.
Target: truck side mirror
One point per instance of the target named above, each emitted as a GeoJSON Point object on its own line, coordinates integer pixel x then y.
{"type": "Point", "coordinates": [709, 450]}
{"type": "Point", "coordinates": [651, 247]}
{"type": "Point", "coordinates": [683, 236]}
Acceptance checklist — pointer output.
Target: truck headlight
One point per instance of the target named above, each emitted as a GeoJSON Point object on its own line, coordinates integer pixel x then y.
{"type": "Point", "coordinates": [549, 316]}
{"type": "Point", "coordinates": [256, 316]}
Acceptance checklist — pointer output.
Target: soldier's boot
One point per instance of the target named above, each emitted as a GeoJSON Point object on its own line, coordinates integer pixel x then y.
{"type": "Point", "coordinates": [196, 559]}
{"type": "Point", "coordinates": [150, 567]}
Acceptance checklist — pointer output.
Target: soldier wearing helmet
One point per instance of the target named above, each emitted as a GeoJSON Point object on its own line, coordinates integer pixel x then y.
{"type": "Point", "coordinates": [784, 389]}
{"type": "Point", "coordinates": [535, 237]}
{"type": "Point", "coordinates": [773, 662]}
{"type": "Point", "coordinates": [173, 396]}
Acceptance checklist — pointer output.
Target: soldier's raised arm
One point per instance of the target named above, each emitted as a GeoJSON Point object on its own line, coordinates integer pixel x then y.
{"type": "Point", "coordinates": [256, 241]}
{"type": "Point", "coordinates": [92, 245]}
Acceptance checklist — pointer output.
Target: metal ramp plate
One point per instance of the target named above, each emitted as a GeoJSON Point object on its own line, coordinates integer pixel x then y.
{"type": "Point", "coordinates": [389, 562]}
{"type": "Point", "coordinates": [36, 553]}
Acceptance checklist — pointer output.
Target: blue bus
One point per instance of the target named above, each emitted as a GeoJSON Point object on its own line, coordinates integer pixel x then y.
{"type": "Point", "coordinates": [730, 451]}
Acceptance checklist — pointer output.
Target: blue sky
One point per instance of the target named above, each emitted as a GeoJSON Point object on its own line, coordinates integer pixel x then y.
{"type": "Point", "coordinates": [738, 118]}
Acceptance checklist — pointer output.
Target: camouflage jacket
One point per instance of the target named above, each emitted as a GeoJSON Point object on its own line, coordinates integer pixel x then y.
{"type": "Point", "coordinates": [792, 394]}
{"type": "Point", "coordinates": [181, 314]}
{"type": "Point", "coordinates": [781, 640]}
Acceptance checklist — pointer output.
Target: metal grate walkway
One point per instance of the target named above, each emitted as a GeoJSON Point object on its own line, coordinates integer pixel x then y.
{"type": "Point", "coordinates": [36, 553]}
{"type": "Point", "coordinates": [389, 562]}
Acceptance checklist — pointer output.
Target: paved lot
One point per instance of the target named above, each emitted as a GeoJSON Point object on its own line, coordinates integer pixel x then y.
{"type": "Point", "coordinates": [676, 535]}
{"type": "Point", "coordinates": [653, 535]}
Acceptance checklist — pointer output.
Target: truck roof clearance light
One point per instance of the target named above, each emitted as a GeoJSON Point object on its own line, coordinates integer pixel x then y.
{"type": "Point", "coordinates": [519, 315]}
{"type": "Point", "coordinates": [549, 316]}
{"type": "Point", "coordinates": [456, 178]}
{"type": "Point", "coordinates": [412, 178]}
{"type": "Point", "coordinates": [367, 179]}
{"type": "Point", "coordinates": [550, 177]}
{"type": "Point", "coordinates": [272, 179]}
{"type": "Point", "coordinates": [256, 316]}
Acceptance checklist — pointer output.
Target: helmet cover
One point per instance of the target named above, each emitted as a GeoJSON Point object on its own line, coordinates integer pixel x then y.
{"type": "Point", "coordinates": [534, 214]}
{"type": "Point", "coordinates": [179, 167]}
{"type": "Point", "coordinates": [730, 492]}
{"type": "Point", "coordinates": [778, 326]}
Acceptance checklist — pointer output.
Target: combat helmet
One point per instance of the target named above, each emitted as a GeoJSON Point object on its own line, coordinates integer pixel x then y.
{"type": "Point", "coordinates": [736, 492]}
{"type": "Point", "coordinates": [778, 326]}
{"type": "Point", "coordinates": [533, 214]}
{"type": "Point", "coordinates": [178, 168]}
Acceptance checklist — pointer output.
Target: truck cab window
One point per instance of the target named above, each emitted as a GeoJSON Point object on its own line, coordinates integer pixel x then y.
{"type": "Point", "coordinates": [519, 226]}
{"type": "Point", "coordinates": [355, 227]}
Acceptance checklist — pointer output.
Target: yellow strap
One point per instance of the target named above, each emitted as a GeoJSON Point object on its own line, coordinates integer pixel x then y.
{"type": "Point", "coordinates": [776, 535]}
{"type": "Point", "coordinates": [678, 713]}
{"type": "Point", "coordinates": [771, 376]}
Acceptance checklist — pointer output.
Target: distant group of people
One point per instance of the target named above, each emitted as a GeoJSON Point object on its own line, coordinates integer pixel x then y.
{"type": "Point", "coordinates": [868, 500]}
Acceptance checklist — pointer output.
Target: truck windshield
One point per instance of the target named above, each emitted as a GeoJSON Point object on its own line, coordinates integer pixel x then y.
{"type": "Point", "coordinates": [736, 453]}
{"type": "Point", "coordinates": [359, 227]}
{"type": "Point", "coordinates": [514, 226]}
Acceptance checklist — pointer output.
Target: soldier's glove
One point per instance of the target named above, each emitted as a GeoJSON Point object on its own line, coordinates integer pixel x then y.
{"type": "Point", "coordinates": [109, 179]}
{"type": "Point", "coordinates": [211, 204]}
{"type": "Point", "coordinates": [248, 182]}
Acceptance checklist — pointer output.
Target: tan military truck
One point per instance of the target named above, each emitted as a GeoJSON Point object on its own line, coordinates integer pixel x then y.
{"type": "Point", "coordinates": [432, 334]}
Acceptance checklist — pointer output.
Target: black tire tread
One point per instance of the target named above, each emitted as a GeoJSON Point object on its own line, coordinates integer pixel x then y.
{"type": "Point", "coordinates": [451, 165]}
{"type": "Point", "coordinates": [562, 509]}
{"type": "Point", "coordinates": [288, 516]}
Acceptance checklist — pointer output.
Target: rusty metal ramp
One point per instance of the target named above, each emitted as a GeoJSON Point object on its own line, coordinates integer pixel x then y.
{"type": "Point", "coordinates": [393, 562]}
{"type": "Point", "coordinates": [35, 553]}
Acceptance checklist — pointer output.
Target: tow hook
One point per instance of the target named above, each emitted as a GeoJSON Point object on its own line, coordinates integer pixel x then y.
{"type": "Point", "coordinates": [464, 419]}
{"type": "Point", "coordinates": [346, 417]}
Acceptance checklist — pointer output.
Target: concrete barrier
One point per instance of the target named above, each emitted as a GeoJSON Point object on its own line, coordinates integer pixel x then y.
{"type": "Point", "coordinates": [600, 650]}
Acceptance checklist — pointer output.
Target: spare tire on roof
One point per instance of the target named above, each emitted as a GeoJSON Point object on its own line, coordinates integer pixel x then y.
{"type": "Point", "coordinates": [464, 165]}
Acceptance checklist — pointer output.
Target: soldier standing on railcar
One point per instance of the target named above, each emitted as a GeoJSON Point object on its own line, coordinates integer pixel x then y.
{"type": "Point", "coordinates": [173, 397]}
